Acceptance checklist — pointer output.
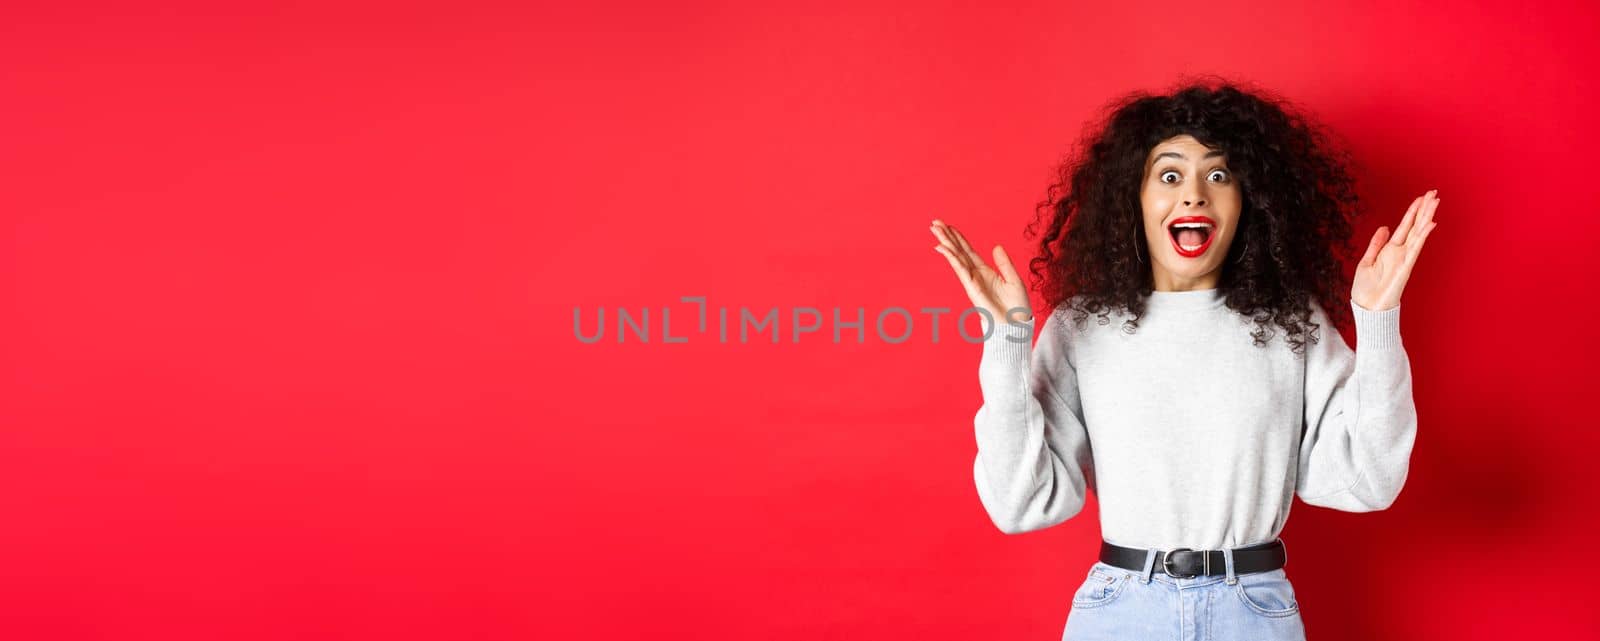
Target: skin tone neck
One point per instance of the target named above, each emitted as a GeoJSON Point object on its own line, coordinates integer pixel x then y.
{"type": "Point", "coordinates": [1162, 281]}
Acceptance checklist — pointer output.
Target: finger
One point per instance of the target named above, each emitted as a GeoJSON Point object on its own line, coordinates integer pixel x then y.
{"type": "Point", "coordinates": [1003, 263]}
{"type": "Point", "coordinates": [1378, 238]}
{"type": "Point", "coordinates": [1413, 250]}
{"type": "Point", "coordinates": [1425, 217]}
{"type": "Point", "coordinates": [965, 246]}
{"type": "Point", "coordinates": [947, 240]}
{"type": "Point", "coordinates": [1404, 228]}
{"type": "Point", "coordinates": [961, 269]}
{"type": "Point", "coordinates": [1422, 237]}
{"type": "Point", "coordinates": [942, 233]}
{"type": "Point", "coordinates": [980, 267]}
{"type": "Point", "coordinates": [969, 282]}
{"type": "Point", "coordinates": [947, 237]}
{"type": "Point", "coordinates": [1405, 221]}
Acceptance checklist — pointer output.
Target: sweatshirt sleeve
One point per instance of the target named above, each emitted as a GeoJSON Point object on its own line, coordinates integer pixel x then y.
{"type": "Point", "coordinates": [1034, 465]}
{"type": "Point", "coordinates": [1360, 419]}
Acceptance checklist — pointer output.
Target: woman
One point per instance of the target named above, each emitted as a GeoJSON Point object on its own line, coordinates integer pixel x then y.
{"type": "Point", "coordinates": [1208, 220]}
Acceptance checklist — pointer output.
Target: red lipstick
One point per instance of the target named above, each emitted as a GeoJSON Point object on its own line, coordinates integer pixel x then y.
{"type": "Point", "coordinates": [1189, 226]}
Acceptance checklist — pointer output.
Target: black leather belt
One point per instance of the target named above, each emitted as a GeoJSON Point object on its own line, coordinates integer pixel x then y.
{"type": "Point", "coordinates": [1184, 563]}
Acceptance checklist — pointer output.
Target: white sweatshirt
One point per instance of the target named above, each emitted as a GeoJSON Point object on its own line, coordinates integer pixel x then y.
{"type": "Point", "coordinates": [1188, 434]}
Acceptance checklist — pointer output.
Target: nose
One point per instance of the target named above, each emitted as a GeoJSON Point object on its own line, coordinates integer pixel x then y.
{"type": "Point", "coordinates": [1194, 201]}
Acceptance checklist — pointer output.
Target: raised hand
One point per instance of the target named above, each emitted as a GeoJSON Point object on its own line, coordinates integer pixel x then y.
{"type": "Point", "coordinates": [995, 291]}
{"type": "Point", "coordinates": [1382, 273]}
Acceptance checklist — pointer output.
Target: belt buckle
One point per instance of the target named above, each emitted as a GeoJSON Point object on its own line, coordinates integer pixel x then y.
{"type": "Point", "coordinates": [1166, 563]}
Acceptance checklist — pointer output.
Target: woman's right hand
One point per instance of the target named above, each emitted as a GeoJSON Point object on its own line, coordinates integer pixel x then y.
{"type": "Point", "coordinates": [995, 291]}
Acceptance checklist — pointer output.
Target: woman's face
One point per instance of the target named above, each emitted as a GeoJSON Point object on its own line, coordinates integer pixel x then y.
{"type": "Point", "coordinates": [1191, 208]}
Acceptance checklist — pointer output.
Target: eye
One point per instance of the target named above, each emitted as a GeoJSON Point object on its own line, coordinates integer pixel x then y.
{"type": "Point", "coordinates": [1223, 172]}
{"type": "Point", "coordinates": [1166, 173]}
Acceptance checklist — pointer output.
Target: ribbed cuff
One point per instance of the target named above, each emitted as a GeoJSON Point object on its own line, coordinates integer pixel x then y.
{"type": "Point", "coordinates": [1010, 343]}
{"type": "Point", "coordinates": [1376, 329]}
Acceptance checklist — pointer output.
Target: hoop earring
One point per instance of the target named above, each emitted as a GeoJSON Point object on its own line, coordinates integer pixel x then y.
{"type": "Point", "coordinates": [1242, 250]}
{"type": "Point", "coordinates": [1136, 244]}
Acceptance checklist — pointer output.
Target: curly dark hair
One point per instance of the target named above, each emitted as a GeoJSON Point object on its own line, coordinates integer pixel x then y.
{"type": "Point", "coordinates": [1297, 211]}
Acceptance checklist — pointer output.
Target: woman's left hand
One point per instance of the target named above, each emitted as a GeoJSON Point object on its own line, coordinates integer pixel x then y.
{"type": "Point", "coordinates": [1382, 273]}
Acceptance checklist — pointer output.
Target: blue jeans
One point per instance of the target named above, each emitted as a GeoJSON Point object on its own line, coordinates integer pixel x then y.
{"type": "Point", "coordinates": [1113, 603]}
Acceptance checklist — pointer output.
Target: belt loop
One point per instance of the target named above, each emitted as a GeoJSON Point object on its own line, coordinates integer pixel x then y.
{"type": "Point", "coordinates": [1227, 558]}
{"type": "Point", "coordinates": [1149, 564]}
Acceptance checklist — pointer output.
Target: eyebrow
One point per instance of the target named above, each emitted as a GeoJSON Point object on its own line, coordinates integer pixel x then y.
{"type": "Point", "coordinates": [1173, 154]}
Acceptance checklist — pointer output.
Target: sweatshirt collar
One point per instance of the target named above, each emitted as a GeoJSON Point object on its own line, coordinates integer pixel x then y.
{"type": "Point", "coordinates": [1190, 299]}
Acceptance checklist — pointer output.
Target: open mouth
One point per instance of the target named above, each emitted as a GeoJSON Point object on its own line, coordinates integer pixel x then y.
{"type": "Point", "coordinates": [1192, 235]}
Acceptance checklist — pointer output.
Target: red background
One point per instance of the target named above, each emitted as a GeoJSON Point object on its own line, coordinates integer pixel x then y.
{"type": "Point", "coordinates": [290, 289]}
